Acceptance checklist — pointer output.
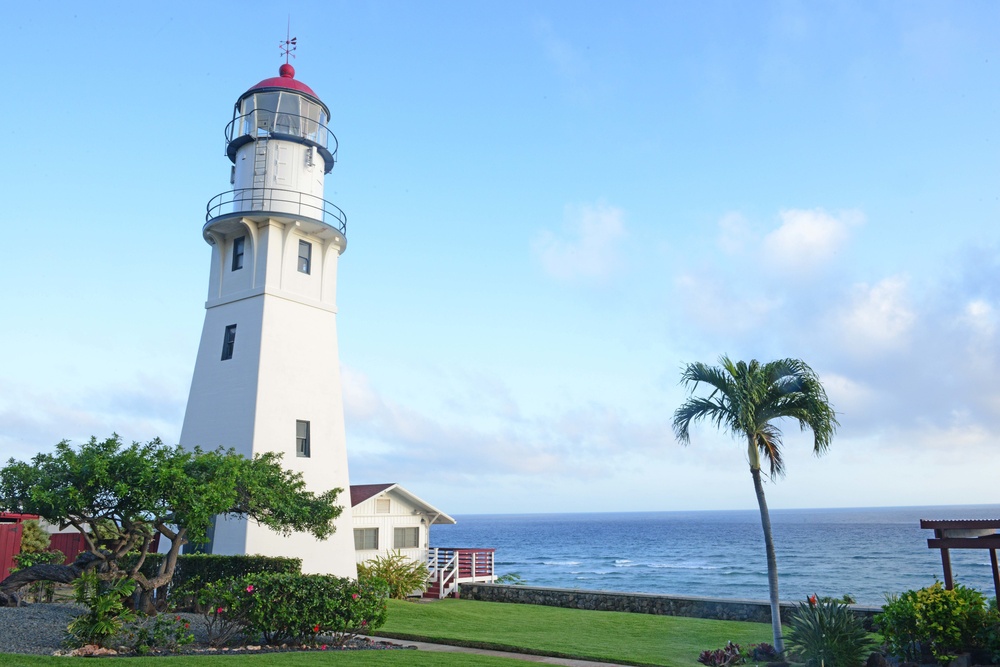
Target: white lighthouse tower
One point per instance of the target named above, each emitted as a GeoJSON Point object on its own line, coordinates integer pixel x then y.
{"type": "Point", "coordinates": [267, 377]}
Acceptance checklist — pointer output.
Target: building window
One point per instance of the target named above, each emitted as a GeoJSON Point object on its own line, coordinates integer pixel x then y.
{"type": "Point", "coordinates": [382, 506]}
{"type": "Point", "coordinates": [238, 245]}
{"type": "Point", "coordinates": [405, 538]}
{"type": "Point", "coordinates": [302, 438]}
{"type": "Point", "coordinates": [229, 342]}
{"type": "Point", "coordinates": [305, 256]}
{"type": "Point", "coordinates": [365, 538]}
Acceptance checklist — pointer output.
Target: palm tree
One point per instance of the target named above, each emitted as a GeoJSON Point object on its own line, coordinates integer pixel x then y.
{"type": "Point", "coordinates": [745, 400]}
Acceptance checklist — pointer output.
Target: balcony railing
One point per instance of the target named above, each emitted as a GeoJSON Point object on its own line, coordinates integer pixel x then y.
{"type": "Point", "coordinates": [262, 123]}
{"type": "Point", "coordinates": [276, 200]}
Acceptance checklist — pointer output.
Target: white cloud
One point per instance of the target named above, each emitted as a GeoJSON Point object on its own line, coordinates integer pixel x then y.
{"type": "Point", "coordinates": [879, 318]}
{"type": "Point", "coordinates": [589, 247]}
{"type": "Point", "coordinates": [807, 239]}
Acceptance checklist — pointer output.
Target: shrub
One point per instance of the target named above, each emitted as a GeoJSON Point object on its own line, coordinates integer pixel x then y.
{"type": "Point", "coordinates": [828, 633]}
{"type": "Point", "coordinates": [403, 575]}
{"type": "Point", "coordinates": [510, 579]}
{"type": "Point", "coordinates": [937, 622]}
{"type": "Point", "coordinates": [34, 539]}
{"type": "Point", "coordinates": [151, 633]}
{"type": "Point", "coordinates": [107, 613]}
{"type": "Point", "coordinates": [293, 608]}
{"type": "Point", "coordinates": [730, 654]}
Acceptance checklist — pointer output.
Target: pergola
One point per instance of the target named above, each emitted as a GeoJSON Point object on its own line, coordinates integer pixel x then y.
{"type": "Point", "coordinates": [965, 534]}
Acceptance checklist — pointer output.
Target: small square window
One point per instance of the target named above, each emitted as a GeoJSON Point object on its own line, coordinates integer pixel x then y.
{"type": "Point", "coordinates": [229, 342]}
{"type": "Point", "coordinates": [382, 506]}
{"type": "Point", "coordinates": [405, 538]}
{"type": "Point", "coordinates": [302, 438]}
{"type": "Point", "coordinates": [238, 245]}
{"type": "Point", "coordinates": [365, 538]}
{"type": "Point", "coordinates": [305, 256]}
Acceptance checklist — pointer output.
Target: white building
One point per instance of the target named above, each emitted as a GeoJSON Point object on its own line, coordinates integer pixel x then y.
{"type": "Point", "coordinates": [267, 376]}
{"type": "Point", "coordinates": [388, 518]}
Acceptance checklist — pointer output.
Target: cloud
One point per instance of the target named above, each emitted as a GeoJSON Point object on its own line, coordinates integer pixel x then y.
{"type": "Point", "coordinates": [588, 249]}
{"type": "Point", "coordinates": [486, 441]}
{"type": "Point", "coordinates": [879, 318]}
{"type": "Point", "coordinates": [807, 240]}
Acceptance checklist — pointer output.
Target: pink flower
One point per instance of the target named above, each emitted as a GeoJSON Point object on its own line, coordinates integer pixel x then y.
{"type": "Point", "coordinates": [355, 596]}
{"type": "Point", "coordinates": [219, 610]}
{"type": "Point", "coordinates": [323, 647]}
{"type": "Point", "coordinates": [364, 623]}
{"type": "Point", "coordinates": [250, 588]}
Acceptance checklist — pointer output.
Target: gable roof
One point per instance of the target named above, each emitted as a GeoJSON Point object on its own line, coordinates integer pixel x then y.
{"type": "Point", "coordinates": [362, 492]}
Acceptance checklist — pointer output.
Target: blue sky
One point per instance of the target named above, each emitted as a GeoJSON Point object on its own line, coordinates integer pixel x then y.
{"type": "Point", "coordinates": [552, 206]}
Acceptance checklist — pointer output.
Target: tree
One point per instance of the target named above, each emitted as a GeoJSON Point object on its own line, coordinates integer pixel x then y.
{"type": "Point", "coordinates": [120, 496]}
{"type": "Point", "coordinates": [745, 401]}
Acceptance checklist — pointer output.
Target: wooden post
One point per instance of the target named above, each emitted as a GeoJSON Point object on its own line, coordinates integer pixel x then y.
{"type": "Point", "coordinates": [996, 573]}
{"type": "Point", "coordinates": [949, 582]}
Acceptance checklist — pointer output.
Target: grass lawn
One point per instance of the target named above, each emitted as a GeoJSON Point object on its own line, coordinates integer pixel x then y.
{"type": "Point", "coordinates": [608, 636]}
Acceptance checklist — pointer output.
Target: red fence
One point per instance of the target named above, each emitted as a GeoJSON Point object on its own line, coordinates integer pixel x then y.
{"type": "Point", "coordinates": [70, 544]}
{"type": "Point", "coordinates": [10, 546]}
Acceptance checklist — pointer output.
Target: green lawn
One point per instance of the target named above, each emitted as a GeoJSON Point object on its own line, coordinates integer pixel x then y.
{"type": "Point", "coordinates": [596, 635]}
{"type": "Point", "coordinates": [639, 639]}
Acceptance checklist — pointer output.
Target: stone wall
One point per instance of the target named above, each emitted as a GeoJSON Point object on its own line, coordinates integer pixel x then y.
{"type": "Point", "coordinates": [639, 603]}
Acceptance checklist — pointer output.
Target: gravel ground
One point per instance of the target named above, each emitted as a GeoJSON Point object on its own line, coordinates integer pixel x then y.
{"type": "Point", "coordinates": [41, 629]}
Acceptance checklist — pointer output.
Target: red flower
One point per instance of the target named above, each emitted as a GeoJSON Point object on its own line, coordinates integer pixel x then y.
{"type": "Point", "coordinates": [250, 588]}
{"type": "Point", "coordinates": [219, 610]}
{"type": "Point", "coordinates": [812, 600]}
{"type": "Point", "coordinates": [355, 596]}
{"type": "Point", "coordinates": [316, 628]}
{"type": "Point", "coordinates": [364, 623]}
{"type": "Point", "coordinates": [323, 647]}
{"type": "Point", "coordinates": [187, 625]}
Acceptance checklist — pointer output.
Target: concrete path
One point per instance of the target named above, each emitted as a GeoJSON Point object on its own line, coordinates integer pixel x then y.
{"type": "Point", "coordinates": [541, 659]}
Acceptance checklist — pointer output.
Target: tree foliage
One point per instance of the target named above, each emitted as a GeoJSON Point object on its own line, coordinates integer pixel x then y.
{"type": "Point", "coordinates": [745, 400]}
{"type": "Point", "coordinates": [119, 496]}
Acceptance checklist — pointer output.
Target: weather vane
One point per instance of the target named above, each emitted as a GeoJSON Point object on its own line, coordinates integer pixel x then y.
{"type": "Point", "coordinates": [287, 45]}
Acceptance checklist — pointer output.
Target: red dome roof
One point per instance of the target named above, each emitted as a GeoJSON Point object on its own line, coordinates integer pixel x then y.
{"type": "Point", "coordinates": [286, 79]}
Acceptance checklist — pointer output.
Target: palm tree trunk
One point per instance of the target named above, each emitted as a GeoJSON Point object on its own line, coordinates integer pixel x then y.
{"type": "Point", "coordinates": [772, 561]}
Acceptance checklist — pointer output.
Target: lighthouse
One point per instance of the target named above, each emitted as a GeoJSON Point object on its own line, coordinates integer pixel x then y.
{"type": "Point", "coordinates": [267, 375]}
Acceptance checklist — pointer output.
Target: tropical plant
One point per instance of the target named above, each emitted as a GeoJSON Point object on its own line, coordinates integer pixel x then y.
{"type": "Point", "coordinates": [403, 575]}
{"type": "Point", "coordinates": [727, 656]}
{"type": "Point", "coordinates": [746, 399]}
{"type": "Point", "coordinates": [939, 622]}
{"type": "Point", "coordinates": [106, 613]}
{"type": "Point", "coordinates": [164, 632]}
{"type": "Point", "coordinates": [828, 633]}
{"type": "Point", "coordinates": [33, 537]}
{"type": "Point", "coordinates": [119, 497]}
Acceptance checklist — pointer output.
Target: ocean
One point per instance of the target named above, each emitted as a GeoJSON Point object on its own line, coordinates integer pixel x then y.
{"type": "Point", "coordinates": [864, 552]}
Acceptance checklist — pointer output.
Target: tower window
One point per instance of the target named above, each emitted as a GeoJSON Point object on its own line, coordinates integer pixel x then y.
{"type": "Point", "coordinates": [305, 256]}
{"type": "Point", "coordinates": [382, 506]}
{"type": "Point", "coordinates": [229, 342]}
{"type": "Point", "coordinates": [302, 438]}
{"type": "Point", "coordinates": [238, 245]}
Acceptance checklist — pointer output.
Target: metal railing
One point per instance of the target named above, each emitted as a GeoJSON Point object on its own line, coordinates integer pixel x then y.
{"type": "Point", "coordinates": [262, 123]}
{"type": "Point", "coordinates": [276, 200]}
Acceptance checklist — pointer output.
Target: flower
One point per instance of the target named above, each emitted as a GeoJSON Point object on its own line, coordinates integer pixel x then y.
{"type": "Point", "coordinates": [812, 600]}
{"type": "Point", "coordinates": [187, 626]}
{"type": "Point", "coordinates": [364, 623]}
{"type": "Point", "coordinates": [250, 588]}
{"type": "Point", "coordinates": [219, 610]}
{"type": "Point", "coordinates": [323, 647]}
{"type": "Point", "coordinates": [355, 596]}
{"type": "Point", "coordinates": [316, 628]}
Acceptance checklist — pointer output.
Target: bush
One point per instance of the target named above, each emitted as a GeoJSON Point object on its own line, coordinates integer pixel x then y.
{"type": "Point", "coordinates": [939, 623]}
{"type": "Point", "coordinates": [293, 608]}
{"type": "Point", "coordinates": [734, 654]}
{"type": "Point", "coordinates": [828, 633]}
{"type": "Point", "coordinates": [107, 613]}
{"type": "Point", "coordinates": [193, 571]}
{"type": "Point", "coordinates": [403, 575]}
{"type": "Point", "coordinates": [34, 539]}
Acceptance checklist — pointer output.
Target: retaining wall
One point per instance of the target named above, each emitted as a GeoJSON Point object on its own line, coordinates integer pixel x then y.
{"type": "Point", "coordinates": [640, 603]}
